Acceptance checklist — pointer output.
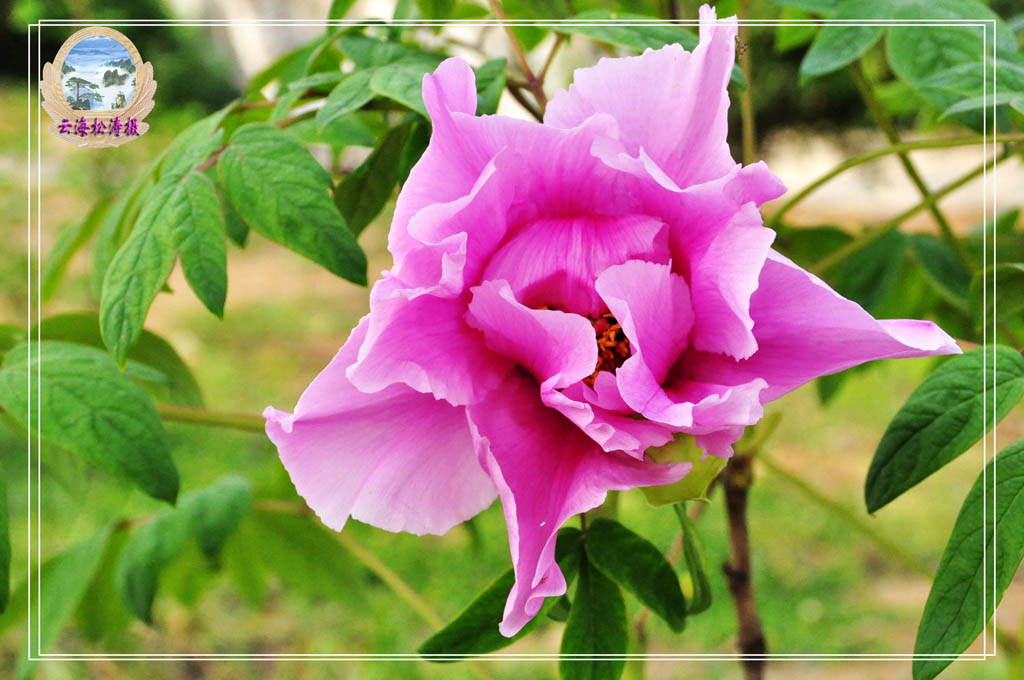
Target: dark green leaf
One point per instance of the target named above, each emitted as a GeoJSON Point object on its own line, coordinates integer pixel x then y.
{"type": "Point", "coordinates": [235, 227]}
{"type": "Point", "coordinates": [280, 190]}
{"type": "Point", "coordinates": [941, 268]}
{"type": "Point", "coordinates": [869, 274]}
{"type": "Point", "coordinates": [11, 335]}
{"type": "Point", "coordinates": [840, 44]}
{"type": "Point", "coordinates": [634, 563]}
{"type": "Point", "coordinates": [1008, 300]}
{"type": "Point", "coordinates": [350, 95]}
{"type": "Point", "coordinates": [636, 37]}
{"type": "Point", "coordinates": [435, 9]}
{"type": "Point", "coordinates": [402, 83]}
{"type": "Point", "coordinates": [148, 551]}
{"type": "Point", "coordinates": [828, 386]}
{"type": "Point", "coordinates": [64, 580]}
{"type": "Point", "coordinates": [194, 144]}
{"type": "Point", "coordinates": [152, 350]}
{"type": "Point", "coordinates": [415, 145]}
{"type": "Point", "coordinates": [215, 512]}
{"type": "Point", "coordinates": [560, 610]}
{"type": "Point", "coordinates": [696, 567]}
{"type": "Point", "coordinates": [93, 410]}
{"type": "Point", "coordinates": [68, 243]}
{"type": "Point", "coordinates": [475, 630]}
{"type": "Point", "coordinates": [363, 193]}
{"type": "Point", "coordinates": [597, 625]}
{"type": "Point", "coordinates": [197, 230]}
{"type": "Point", "coordinates": [490, 81]}
{"type": "Point", "coordinates": [944, 417]}
{"type": "Point", "coordinates": [809, 245]}
{"type": "Point", "coordinates": [964, 594]}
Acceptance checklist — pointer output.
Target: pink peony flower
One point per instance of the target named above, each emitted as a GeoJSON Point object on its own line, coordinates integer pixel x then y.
{"type": "Point", "coordinates": [565, 296]}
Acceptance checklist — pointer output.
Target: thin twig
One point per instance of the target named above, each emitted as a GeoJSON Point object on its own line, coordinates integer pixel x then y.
{"type": "Point", "coordinates": [885, 124]}
{"type": "Point", "coordinates": [736, 480]}
{"type": "Point", "coordinates": [747, 95]}
{"type": "Point", "coordinates": [559, 39]}
{"type": "Point", "coordinates": [868, 237]}
{"type": "Point", "coordinates": [869, 156]}
{"type": "Point", "coordinates": [533, 83]}
{"type": "Point", "coordinates": [531, 108]}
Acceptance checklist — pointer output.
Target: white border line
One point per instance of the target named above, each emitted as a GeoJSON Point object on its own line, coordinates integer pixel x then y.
{"type": "Point", "coordinates": [979, 23]}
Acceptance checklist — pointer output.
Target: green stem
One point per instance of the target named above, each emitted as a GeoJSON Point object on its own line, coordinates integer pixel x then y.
{"type": "Point", "coordinates": [844, 513]}
{"type": "Point", "coordinates": [198, 416]}
{"type": "Point", "coordinates": [882, 119]}
{"type": "Point", "coordinates": [869, 156]}
{"type": "Point", "coordinates": [870, 236]}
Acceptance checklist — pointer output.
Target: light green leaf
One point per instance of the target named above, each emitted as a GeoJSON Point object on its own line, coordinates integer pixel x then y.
{"type": "Point", "coordinates": [100, 614]}
{"type": "Point", "coordinates": [64, 580]}
{"type": "Point", "coordinates": [597, 625]}
{"type": "Point", "coordinates": [369, 52]}
{"type": "Point", "coordinates": [197, 231]}
{"type": "Point", "coordinates": [339, 8]}
{"type": "Point", "coordinates": [5, 546]}
{"type": "Point", "coordinates": [789, 36]}
{"type": "Point", "coordinates": [214, 512]}
{"type": "Point", "coordinates": [868, 275]}
{"type": "Point", "coordinates": [10, 335]}
{"type": "Point", "coordinates": [964, 593]}
{"type": "Point", "coordinates": [694, 485]}
{"type": "Point", "coordinates": [838, 45]}
{"type": "Point", "coordinates": [349, 95]}
{"type": "Point", "coordinates": [68, 243]}
{"type": "Point", "coordinates": [362, 194]}
{"type": "Point", "coordinates": [475, 630]}
{"type": "Point", "coordinates": [402, 82]}
{"type": "Point", "coordinates": [91, 409]}
{"type": "Point", "coordinates": [944, 417]}
{"type": "Point", "coordinates": [693, 556]}
{"type": "Point", "coordinates": [152, 350]}
{"type": "Point", "coordinates": [490, 81]}
{"type": "Point", "coordinates": [820, 7]}
{"type": "Point", "coordinates": [637, 37]}
{"type": "Point", "coordinates": [280, 190]}
{"type": "Point", "coordinates": [634, 563]}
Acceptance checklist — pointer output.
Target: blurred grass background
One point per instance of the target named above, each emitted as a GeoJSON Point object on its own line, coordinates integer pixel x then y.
{"type": "Point", "coordinates": [821, 586]}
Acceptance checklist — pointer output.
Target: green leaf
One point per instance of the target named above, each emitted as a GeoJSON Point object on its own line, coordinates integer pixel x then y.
{"type": "Point", "coordinates": [197, 231]}
{"type": "Point", "coordinates": [490, 81]}
{"type": "Point", "coordinates": [362, 194]}
{"type": "Point", "coordinates": [415, 145]}
{"type": "Point", "coordinates": [5, 546]}
{"type": "Point", "coordinates": [100, 614]}
{"type": "Point", "coordinates": [369, 52]}
{"type": "Point", "coordinates": [64, 580]}
{"type": "Point", "coordinates": [943, 418]}
{"type": "Point", "coordinates": [235, 227]}
{"type": "Point", "coordinates": [215, 512]}
{"type": "Point", "coordinates": [139, 269]}
{"type": "Point", "coordinates": [868, 275]}
{"type": "Point", "coordinates": [475, 630]}
{"type": "Point", "coordinates": [194, 144]}
{"type": "Point", "coordinates": [10, 335]}
{"type": "Point", "coordinates": [280, 190]}
{"type": "Point", "coordinates": [693, 556]}
{"type": "Point", "coordinates": [402, 82]}
{"type": "Point", "coordinates": [435, 9]}
{"type": "Point", "coordinates": [92, 409]}
{"type": "Point", "coordinates": [964, 593]}
{"type": "Point", "coordinates": [634, 563]}
{"type": "Point", "coordinates": [112, 231]}
{"type": "Point", "coordinates": [148, 551]}
{"type": "Point", "coordinates": [560, 610]}
{"type": "Point", "coordinates": [820, 7]}
{"type": "Point", "coordinates": [152, 350]}
{"type": "Point", "coordinates": [637, 37]}
{"type": "Point", "coordinates": [68, 243]}
{"type": "Point", "coordinates": [349, 95]}
{"type": "Point", "coordinates": [789, 36]}
{"type": "Point", "coordinates": [210, 515]}
{"type": "Point", "coordinates": [1008, 278]}
{"type": "Point", "coordinates": [840, 44]}
{"type": "Point", "coordinates": [694, 485]}
{"type": "Point", "coordinates": [942, 268]}
{"type": "Point", "coordinates": [597, 625]}
{"type": "Point", "coordinates": [339, 8]}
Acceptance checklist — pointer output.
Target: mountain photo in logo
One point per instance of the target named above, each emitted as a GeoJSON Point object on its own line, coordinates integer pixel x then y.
{"type": "Point", "coordinates": [98, 75]}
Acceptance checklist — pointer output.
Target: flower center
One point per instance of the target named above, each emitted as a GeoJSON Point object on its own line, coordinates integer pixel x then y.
{"type": "Point", "coordinates": [612, 346]}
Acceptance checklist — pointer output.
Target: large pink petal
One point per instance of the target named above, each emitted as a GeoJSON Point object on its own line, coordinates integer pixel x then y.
{"type": "Point", "coordinates": [722, 278]}
{"type": "Point", "coordinates": [804, 329]}
{"type": "Point", "coordinates": [555, 261]}
{"type": "Point", "coordinates": [546, 471]}
{"type": "Point", "coordinates": [423, 341]}
{"type": "Point", "coordinates": [396, 459]}
{"type": "Point", "coordinates": [549, 343]}
{"type": "Point", "coordinates": [668, 102]}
